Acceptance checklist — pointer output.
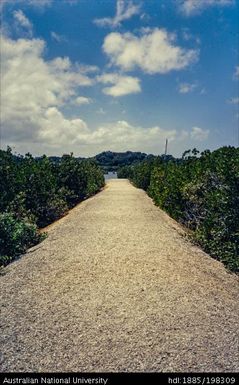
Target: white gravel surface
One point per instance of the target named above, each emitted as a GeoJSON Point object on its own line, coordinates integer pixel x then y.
{"type": "Point", "coordinates": [117, 287]}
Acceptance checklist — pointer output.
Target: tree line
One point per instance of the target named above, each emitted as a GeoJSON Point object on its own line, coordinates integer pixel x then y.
{"type": "Point", "coordinates": [111, 161]}
{"type": "Point", "coordinates": [34, 192]}
{"type": "Point", "coordinates": [202, 192]}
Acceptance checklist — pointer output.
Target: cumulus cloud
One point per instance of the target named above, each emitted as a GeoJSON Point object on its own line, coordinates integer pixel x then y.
{"type": "Point", "coordinates": [154, 52]}
{"type": "Point", "coordinates": [58, 135]}
{"type": "Point", "coordinates": [192, 7]}
{"type": "Point", "coordinates": [121, 85]}
{"type": "Point", "coordinates": [82, 100]}
{"type": "Point", "coordinates": [57, 130]}
{"type": "Point", "coordinates": [124, 11]}
{"type": "Point", "coordinates": [185, 88]}
{"type": "Point", "coordinates": [33, 91]}
{"type": "Point", "coordinates": [199, 134]}
{"type": "Point", "coordinates": [121, 136]}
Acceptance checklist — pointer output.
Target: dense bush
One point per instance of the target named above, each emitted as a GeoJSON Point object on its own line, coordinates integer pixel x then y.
{"type": "Point", "coordinates": [79, 179]}
{"type": "Point", "coordinates": [35, 192]}
{"type": "Point", "coordinates": [16, 236]}
{"type": "Point", "coordinates": [202, 192]}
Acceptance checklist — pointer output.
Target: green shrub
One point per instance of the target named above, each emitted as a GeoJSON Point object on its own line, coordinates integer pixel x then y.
{"type": "Point", "coordinates": [202, 192]}
{"type": "Point", "coordinates": [54, 208]}
{"type": "Point", "coordinates": [16, 236]}
{"type": "Point", "coordinates": [35, 192]}
{"type": "Point", "coordinates": [10, 178]}
{"type": "Point", "coordinates": [18, 208]}
{"type": "Point", "coordinates": [81, 178]}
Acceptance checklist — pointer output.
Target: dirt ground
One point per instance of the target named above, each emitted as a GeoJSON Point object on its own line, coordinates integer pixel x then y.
{"type": "Point", "coordinates": [116, 287]}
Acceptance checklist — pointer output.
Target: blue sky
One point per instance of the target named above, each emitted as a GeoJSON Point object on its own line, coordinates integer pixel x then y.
{"type": "Point", "coordinates": [86, 76]}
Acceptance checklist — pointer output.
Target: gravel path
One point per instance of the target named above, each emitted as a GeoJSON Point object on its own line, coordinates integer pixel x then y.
{"type": "Point", "coordinates": [116, 287]}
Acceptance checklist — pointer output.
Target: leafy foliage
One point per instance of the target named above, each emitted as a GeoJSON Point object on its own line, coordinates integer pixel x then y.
{"type": "Point", "coordinates": [36, 191]}
{"type": "Point", "coordinates": [111, 161]}
{"type": "Point", "coordinates": [16, 236]}
{"type": "Point", "coordinates": [202, 192]}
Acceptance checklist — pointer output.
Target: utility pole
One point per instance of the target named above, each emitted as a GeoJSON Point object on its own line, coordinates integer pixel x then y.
{"type": "Point", "coordinates": [166, 147]}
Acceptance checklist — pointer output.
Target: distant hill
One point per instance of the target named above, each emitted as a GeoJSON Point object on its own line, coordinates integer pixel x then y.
{"type": "Point", "coordinates": [112, 160]}
{"type": "Point", "coordinates": [109, 160]}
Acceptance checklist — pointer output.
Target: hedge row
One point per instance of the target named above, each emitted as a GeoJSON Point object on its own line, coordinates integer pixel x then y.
{"type": "Point", "coordinates": [35, 192]}
{"type": "Point", "coordinates": [202, 192]}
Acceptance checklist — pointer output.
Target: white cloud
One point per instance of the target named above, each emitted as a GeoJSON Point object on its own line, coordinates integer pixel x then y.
{"type": "Point", "coordinates": [82, 100]}
{"type": "Point", "coordinates": [124, 132]}
{"type": "Point", "coordinates": [57, 38]}
{"type": "Point", "coordinates": [122, 135]}
{"type": "Point", "coordinates": [122, 85]}
{"type": "Point", "coordinates": [23, 22]}
{"type": "Point", "coordinates": [57, 130]}
{"type": "Point", "coordinates": [22, 19]}
{"type": "Point", "coordinates": [185, 88]}
{"type": "Point", "coordinates": [124, 10]}
{"type": "Point", "coordinates": [33, 90]}
{"type": "Point", "coordinates": [87, 69]}
{"type": "Point", "coordinates": [61, 64]}
{"type": "Point", "coordinates": [199, 134]}
{"type": "Point", "coordinates": [154, 52]}
{"type": "Point", "coordinates": [192, 7]}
